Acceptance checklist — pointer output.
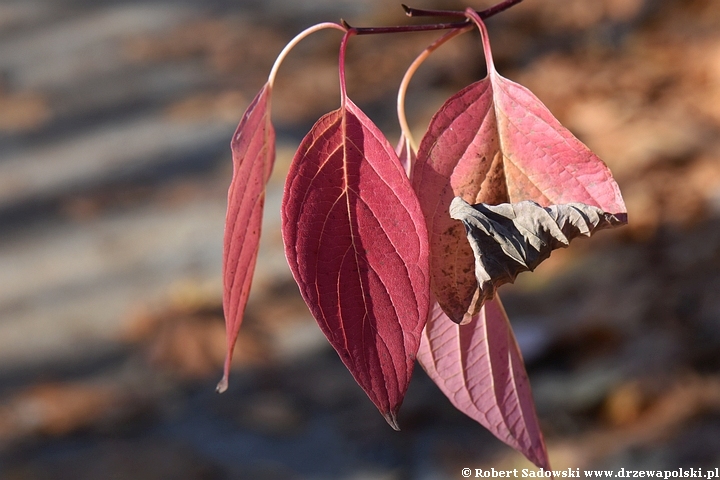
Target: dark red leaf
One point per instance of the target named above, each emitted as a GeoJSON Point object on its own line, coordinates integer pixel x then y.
{"type": "Point", "coordinates": [356, 243]}
{"type": "Point", "coordinates": [253, 151]}
{"type": "Point", "coordinates": [495, 142]}
{"type": "Point", "coordinates": [478, 366]}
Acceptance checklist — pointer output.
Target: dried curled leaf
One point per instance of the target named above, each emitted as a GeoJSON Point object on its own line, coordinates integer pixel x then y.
{"type": "Point", "coordinates": [511, 238]}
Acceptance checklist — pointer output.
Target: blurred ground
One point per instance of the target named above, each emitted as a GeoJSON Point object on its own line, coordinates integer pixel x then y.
{"type": "Point", "coordinates": [115, 120]}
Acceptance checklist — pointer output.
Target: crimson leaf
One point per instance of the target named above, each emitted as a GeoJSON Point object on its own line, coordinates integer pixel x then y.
{"type": "Point", "coordinates": [357, 246]}
{"type": "Point", "coordinates": [253, 151]}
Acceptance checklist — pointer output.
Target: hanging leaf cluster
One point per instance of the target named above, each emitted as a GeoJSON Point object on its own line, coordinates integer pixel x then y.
{"type": "Point", "coordinates": [398, 253]}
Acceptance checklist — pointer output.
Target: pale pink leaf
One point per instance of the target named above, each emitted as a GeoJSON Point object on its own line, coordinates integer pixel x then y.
{"type": "Point", "coordinates": [495, 142]}
{"type": "Point", "coordinates": [479, 367]}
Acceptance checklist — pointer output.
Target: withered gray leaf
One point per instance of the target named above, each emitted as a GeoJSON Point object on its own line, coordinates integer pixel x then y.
{"type": "Point", "coordinates": [511, 238]}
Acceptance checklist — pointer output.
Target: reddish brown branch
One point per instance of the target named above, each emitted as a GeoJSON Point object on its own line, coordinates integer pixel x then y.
{"type": "Point", "coordinates": [415, 12]}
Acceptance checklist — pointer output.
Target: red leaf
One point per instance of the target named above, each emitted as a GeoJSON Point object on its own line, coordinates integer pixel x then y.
{"type": "Point", "coordinates": [356, 243]}
{"type": "Point", "coordinates": [253, 150]}
{"type": "Point", "coordinates": [457, 157]}
{"type": "Point", "coordinates": [495, 142]}
{"type": "Point", "coordinates": [478, 366]}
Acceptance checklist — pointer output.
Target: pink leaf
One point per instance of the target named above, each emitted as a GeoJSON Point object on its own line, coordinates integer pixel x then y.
{"type": "Point", "coordinates": [253, 150]}
{"type": "Point", "coordinates": [478, 366]}
{"type": "Point", "coordinates": [495, 142]}
{"type": "Point", "coordinates": [356, 243]}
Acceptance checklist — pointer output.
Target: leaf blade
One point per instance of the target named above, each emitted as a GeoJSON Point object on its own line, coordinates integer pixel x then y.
{"type": "Point", "coordinates": [479, 367]}
{"type": "Point", "coordinates": [357, 246]}
{"type": "Point", "coordinates": [253, 152]}
{"type": "Point", "coordinates": [511, 238]}
{"type": "Point", "coordinates": [455, 160]}
{"type": "Point", "coordinates": [495, 142]}
{"type": "Point", "coordinates": [544, 161]}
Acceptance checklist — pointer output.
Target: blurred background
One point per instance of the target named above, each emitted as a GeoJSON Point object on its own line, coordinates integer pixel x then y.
{"type": "Point", "coordinates": [115, 123]}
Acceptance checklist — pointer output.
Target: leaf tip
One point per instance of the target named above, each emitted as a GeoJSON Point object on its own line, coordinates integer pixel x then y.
{"type": "Point", "coordinates": [620, 219]}
{"type": "Point", "coordinates": [391, 419]}
{"type": "Point", "coordinates": [467, 318]}
{"type": "Point", "coordinates": [222, 385]}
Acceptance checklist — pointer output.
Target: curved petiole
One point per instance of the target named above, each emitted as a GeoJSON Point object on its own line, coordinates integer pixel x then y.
{"type": "Point", "coordinates": [298, 38]}
{"type": "Point", "coordinates": [404, 127]}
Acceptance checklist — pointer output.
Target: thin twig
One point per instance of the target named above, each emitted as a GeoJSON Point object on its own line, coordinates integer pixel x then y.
{"type": "Point", "coordinates": [416, 12]}
{"type": "Point", "coordinates": [500, 7]}
{"type": "Point", "coordinates": [419, 12]}
{"type": "Point", "coordinates": [406, 28]}
{"type": "Point", "coordinates": [488, 12]}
